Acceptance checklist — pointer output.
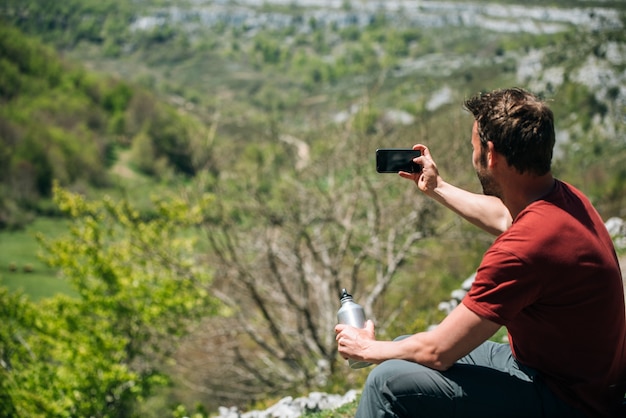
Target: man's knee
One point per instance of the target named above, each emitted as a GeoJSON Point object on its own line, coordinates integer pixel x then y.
{"type": "Point", "coordinates": [407, 386]}
{"type": "Point", "coordinates": [400, 379]}
{"type": "Point", "coordinates": [387, 372]}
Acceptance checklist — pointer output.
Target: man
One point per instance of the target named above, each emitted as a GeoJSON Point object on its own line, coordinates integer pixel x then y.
{"type": "Point", "coordinates": [551, 278]}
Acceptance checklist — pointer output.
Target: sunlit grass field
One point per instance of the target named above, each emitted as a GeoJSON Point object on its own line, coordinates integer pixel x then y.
{"type": "Point", "coordinates": [20, 267]}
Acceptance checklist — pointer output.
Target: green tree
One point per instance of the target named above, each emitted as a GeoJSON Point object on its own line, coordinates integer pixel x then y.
{"type": "Point", "coordinates": [138, 285]}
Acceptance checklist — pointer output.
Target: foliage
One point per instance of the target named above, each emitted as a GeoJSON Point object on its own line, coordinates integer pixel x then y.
{"type": "Point", "coordinates": [72, 21]}
{"type": "Point", "coordinates": [81, 119]}
{"type": "Point", "coordinates": [138, 288]}
{"type": "Point", "coordinates": [68, 142]}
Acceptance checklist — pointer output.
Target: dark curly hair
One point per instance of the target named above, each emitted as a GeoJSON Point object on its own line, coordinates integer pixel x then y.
{"type": "Point", "coordinates": [520, 126]}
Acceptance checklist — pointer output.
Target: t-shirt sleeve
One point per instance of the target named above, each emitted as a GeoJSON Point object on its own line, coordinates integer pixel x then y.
{"type": "Point", "coordinates": [503, 287]}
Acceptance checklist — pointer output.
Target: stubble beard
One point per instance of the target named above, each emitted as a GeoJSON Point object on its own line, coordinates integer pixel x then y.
{"type": "Point", "coordinates": [490, 187]}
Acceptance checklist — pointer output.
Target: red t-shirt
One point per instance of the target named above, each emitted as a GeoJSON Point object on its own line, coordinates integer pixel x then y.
{"type": "Point", "coordinates": [554, 281]}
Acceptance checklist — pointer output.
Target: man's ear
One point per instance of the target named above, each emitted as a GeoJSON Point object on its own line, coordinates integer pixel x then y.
{"type": "Point", "coordinates": [493, 157]}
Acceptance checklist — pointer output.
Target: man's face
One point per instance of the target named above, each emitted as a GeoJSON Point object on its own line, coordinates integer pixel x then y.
{"type": "Point", "coordinates": [479, 160]}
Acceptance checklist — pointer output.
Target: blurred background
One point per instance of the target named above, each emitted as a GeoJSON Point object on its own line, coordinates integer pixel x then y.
{"type": "Point", "coordinates": [187, 185]}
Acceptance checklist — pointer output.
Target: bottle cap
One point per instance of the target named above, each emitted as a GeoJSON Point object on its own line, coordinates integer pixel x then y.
{"type": "Point", "coordinates": [345, 295]}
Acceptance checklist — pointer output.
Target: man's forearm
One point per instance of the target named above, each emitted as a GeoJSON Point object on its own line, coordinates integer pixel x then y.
{"type": "Point", "coordinates": [416, 348]}
{"type": "Point", "coordinates": [457, 335]}
{"type": "Point", "coordinates": [486, 212]}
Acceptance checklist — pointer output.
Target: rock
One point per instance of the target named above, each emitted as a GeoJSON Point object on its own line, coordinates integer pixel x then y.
{"type": "Point", "coordinates": [289, 407]}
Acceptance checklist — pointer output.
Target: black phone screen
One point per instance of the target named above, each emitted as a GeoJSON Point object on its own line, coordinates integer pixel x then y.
{"type": "Point", "coordinates": [393, 160]}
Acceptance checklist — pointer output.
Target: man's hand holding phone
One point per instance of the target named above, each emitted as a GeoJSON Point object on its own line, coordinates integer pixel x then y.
{"type": "Point", "coordinates": [410, 163]}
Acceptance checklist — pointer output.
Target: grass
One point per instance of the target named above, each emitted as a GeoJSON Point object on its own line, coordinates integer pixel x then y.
{"type": "Point", "coordinates": [20, 267]}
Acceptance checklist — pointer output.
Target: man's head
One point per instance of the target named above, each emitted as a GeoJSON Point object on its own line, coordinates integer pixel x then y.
{"type": "Point", "coordinates": [520, 126]}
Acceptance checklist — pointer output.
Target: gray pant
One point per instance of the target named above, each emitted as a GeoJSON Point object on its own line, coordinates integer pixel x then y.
{"type": "Point", "coordinates": [488, 382]}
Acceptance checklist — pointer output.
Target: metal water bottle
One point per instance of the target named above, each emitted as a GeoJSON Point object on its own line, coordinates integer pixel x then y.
{"type": "Point", "coordinates": [351, 313]}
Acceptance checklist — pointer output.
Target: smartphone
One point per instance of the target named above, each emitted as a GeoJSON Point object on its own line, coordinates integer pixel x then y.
{"type": "Point", "coordinates": [393, 160]}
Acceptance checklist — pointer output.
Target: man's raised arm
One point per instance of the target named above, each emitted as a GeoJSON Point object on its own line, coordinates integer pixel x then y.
{"type": "Point", "coordinates": [486, 212]}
